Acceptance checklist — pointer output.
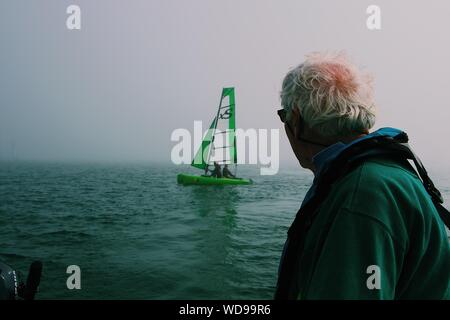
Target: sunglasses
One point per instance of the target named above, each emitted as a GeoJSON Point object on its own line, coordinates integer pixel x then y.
{"type": "Point", "coordinates": [283, 117]}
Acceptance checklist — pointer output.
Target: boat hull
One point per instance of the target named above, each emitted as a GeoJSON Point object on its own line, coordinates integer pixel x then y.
{"type": "Point", "coordinates": [187, 179]}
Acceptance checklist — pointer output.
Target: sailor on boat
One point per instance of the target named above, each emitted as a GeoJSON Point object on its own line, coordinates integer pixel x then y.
{"type": "Point", "coordinates": [226, 173]}
{"type": "Point", "coordinates": [217, 172]}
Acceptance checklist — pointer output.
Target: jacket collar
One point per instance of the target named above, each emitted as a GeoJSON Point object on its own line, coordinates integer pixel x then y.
{"type": "Point", "coordinates": [322, 159]}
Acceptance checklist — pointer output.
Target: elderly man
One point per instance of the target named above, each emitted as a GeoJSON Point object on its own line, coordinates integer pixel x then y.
{"type": "Point", "coordinates": [368, 228]}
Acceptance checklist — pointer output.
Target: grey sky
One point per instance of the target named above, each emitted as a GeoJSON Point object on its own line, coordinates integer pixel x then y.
{"type": "Point", "coordinates": [137, 70]}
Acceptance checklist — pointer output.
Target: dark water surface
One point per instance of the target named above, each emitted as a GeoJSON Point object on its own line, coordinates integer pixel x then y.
{"type": "Point", "coordinates": [136, 234]}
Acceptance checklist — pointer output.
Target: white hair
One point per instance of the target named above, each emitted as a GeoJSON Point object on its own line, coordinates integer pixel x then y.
{"type": "Point", "coordinates": [333, 97]}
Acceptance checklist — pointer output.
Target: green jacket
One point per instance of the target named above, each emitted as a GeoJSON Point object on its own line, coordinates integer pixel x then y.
{"type": "Point", "coordinates": [378, 223]}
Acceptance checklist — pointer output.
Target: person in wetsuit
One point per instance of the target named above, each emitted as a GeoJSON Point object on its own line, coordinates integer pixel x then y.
{"type": "Point", "coordinates": [226, 172]}
{"type": "Point", "coordinates": [217, 172]}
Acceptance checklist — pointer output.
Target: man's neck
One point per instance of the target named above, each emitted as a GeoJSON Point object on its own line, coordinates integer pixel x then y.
{"type": "Point", "coordinates": [316, 149]}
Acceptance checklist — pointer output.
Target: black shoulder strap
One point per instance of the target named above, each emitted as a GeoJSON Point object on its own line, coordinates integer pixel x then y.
{"type": "Point", "coordinates": [341, 166]}
{"type": "Point", "coordinates": [436, 197]}
{"type": "Point", "coordinates": [443, 213]}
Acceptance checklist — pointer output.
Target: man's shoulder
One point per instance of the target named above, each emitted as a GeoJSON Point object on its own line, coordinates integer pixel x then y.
{"type": "Point", "coordinates": [380, 179]}
{"type": "Point", "coordinates": [379, 170]}
{"type": "Point", "coordinates": [385, 190]}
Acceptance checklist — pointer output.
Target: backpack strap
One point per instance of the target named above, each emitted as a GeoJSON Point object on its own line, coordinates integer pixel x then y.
{"type": "Point", "coordinates": [435, 194]}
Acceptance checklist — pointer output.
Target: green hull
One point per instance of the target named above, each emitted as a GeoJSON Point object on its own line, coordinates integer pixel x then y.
{"type": "Point", "coordinates": [186, 179]}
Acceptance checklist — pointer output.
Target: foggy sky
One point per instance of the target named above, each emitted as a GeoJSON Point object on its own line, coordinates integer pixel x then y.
{"type": "Point", "coordinates": [137, 70]}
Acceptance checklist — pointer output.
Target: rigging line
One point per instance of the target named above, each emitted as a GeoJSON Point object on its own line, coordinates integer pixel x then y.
{"type": "Point", "coordinates": [216, 119]}
{"type": "Point", "coordinates": [226, 106]}
{"type": "Point", "coordinates": [222, 132]}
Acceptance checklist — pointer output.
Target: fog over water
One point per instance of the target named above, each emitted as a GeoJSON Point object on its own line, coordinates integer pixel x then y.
{"type": "Point", "coordinates": [116, 89]}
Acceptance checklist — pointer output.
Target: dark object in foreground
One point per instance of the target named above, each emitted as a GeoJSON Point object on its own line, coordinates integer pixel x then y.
{"type": "Point", "coordinates": [11, 288]}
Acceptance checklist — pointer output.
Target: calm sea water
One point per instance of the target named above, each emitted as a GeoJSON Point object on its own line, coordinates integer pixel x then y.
{"type": "Point", "coordinates": [136, 234]}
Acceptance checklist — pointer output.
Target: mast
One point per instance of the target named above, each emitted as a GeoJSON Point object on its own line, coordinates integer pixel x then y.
{"type": "Point", "coordinates": [232, 128]}
{"type": "Point", "coordinates": [214, 130]}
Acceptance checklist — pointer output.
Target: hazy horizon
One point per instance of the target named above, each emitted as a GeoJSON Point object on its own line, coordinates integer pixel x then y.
{"type": "Point", "coordinates": [116, 89]}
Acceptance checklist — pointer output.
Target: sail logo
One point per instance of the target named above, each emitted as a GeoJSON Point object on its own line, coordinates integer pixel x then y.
{"type": "Point", "coordinates": [226, 114]}
{"type": "Point", "coordinates": [252, 145]}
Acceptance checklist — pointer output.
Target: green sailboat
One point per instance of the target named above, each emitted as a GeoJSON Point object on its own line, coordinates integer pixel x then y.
{"type": "Point", "coordinates": [218, 145]}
